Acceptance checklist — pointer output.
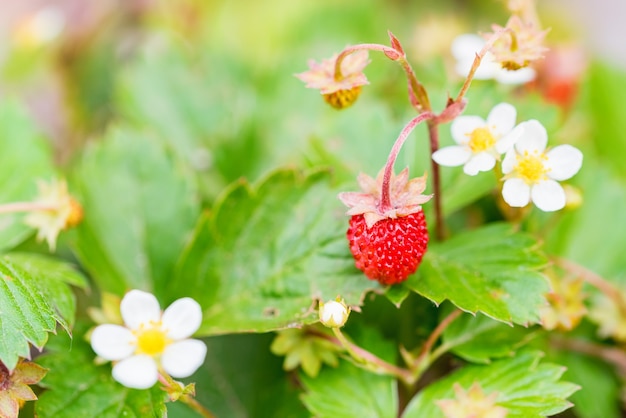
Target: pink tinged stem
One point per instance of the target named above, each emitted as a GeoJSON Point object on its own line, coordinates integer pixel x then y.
{"type": "Point", "coordinates": [417, 93]}
{"type": "Point", "coordinates": [349, 50]}
{"type": "Point", "coordinates": [25, 207]}
{"type": "Point", "coordinates": [477, 60]}
{"type": "Point", "coordinates": [385, 202]}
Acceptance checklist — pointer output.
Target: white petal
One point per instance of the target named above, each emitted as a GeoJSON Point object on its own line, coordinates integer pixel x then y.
{"type": "Point", "coordinates": [533, 139]}
{"type": "Point", "coordinates": [452, 156]}
{"type": "Point", "coordinates": [516, 193]}
{"type": "Point", "coordinates": [563, 161]}
{"type": "Point", "coordinates": [182, 358]}
{"type": "Point", "coordinates": [501, 119]}
{"type": "Point", "coordinates": [482, 161]}
{"type": "Point", "coordinates": [136, 372]}
{"type": "Point", "coordinates": [548, 196]}
{"type": "Point", "coordinates": [508, 163]}
{"type": "Point", "coordinates": [463, 126]}
{"type": "Point", "coordinates": [505, 143]}
{"type": "Point", "coordinates": [139, 307]}
{"type": "Point", "coordinates": [112, 342]}
{"type": "Point", "coordinates": [521, 76]}
{"type": "Point", "coordinates": [466, 45]}
{"type": "Point", "coordinates": [182, 318]}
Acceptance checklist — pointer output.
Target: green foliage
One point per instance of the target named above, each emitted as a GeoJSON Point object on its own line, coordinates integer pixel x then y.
{"type": "Point", "coordinates": [492, 270]}
{"type": "Point", "coordinates": [265, 255]}
{"type": "Point", "coordinates": [525, 387]}
{"type": "Point", "coordinates": [479, 339]}
{"type": "Point", "coordinates": [136, 199]}
{"type": "Point", "coordinates": [348, 391]}
{"type": "Point", "coordinates": [25, 158]}
{"type": "Point", "coordinates": [35, 297]}
{"type": "Point", "coordinates": [77, 387]}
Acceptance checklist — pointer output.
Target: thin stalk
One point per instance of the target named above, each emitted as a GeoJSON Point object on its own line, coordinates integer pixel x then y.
{"type": "Point", "coordinates": [595, 280]}
{"type": "Point", "coordinates": [614, 355]}
{"type": "Point", "coordinates": [351, 49]}
{"type": "Point", "coordinates": [363, 356]}
{"type": "Point", "coordinates": [417, 93]}
{"type": "Point", "coordinates": [196, 406]}
{"type": "Point", "coordinates": [385, 201]}
{"type": "Point", "coordinates": [24, 207]}
{"type": "Point", "coordinates": [434, 336]}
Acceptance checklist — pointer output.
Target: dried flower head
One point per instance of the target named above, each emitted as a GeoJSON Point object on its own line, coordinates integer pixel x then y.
{"type": "Point", "coordinates": [14, 389]}
{"type": "Point", "coordinates": [519, 45]}
{"type": "Point", "coordinates": [472, 403]}
{"type": "Point", "coordinates": [59, 211]}
{"type": "Point", "coordinates": [339, 89]}
{"type": "Point", "coordinates": [405, 196]}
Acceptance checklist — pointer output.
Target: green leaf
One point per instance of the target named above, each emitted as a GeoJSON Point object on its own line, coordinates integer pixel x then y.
{"type": "Point", "coordinates": [34, 297]}
{"type": "Point", "coordinates": [491, 270]}
{"type": "Point", "coordinates": [264, 256]}
{"type": "Point", "coordinates": [348, 391]}
{"type": "Point", "coordinates": [526, 388]}
{"type": "Point", "coordinates": [79, 388]}
{"type": "Point", "coordinates": [599, 387]}
{"type": "Point", "coordinates": [479, 338]}
{"type": "Point", "coordinates": [139, 209]}
{"type": "Point", "coordinates": [241, 378]}
{"type": "Point", "coordinates": [25, 158]}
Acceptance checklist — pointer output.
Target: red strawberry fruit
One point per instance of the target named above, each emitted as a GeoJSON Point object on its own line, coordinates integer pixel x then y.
{"type": "Point", "coordinates": [387, 240]}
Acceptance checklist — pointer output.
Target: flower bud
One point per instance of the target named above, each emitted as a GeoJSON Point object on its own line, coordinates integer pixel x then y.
{"type": "Point", "coordinates": [334, 313]}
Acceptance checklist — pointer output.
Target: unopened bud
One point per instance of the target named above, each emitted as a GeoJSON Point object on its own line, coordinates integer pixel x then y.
{"type": "Point", "coordinates": [334, 313]}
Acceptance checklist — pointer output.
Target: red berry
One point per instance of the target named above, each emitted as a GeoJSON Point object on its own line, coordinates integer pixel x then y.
{"type": "Point", "coordinates": [391, 249]}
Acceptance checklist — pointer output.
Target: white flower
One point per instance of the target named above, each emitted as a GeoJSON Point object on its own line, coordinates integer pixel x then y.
{"type": "Point", "coordinates": [480, 142]}
{"type": "Point", "coordinates": [151, 342]}
{"type": "Point", "coordinates": [334, 314]}
{"type": "Point", "coordinates": [531, 172]}
{"type": "Point", "coordinates": [464, 49]}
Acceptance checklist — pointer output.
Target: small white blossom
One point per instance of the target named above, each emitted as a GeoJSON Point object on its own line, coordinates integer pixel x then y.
{"type": "Point", "coordinates": [151, 341]}
{"type": "Point", "coordinates": [464, 50]}
{"type": "Point", "coordinates": [480, 143]}
{"type": "Point", "coordinates": [532, 172]}
{"type": "Point", "coordinates": [334, 314]}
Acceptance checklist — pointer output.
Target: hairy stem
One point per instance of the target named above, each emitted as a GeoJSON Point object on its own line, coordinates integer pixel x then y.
{"type": "Point", "coordinates": [385, 201]}
{"type": "Point", "coordinates": [477, 60]}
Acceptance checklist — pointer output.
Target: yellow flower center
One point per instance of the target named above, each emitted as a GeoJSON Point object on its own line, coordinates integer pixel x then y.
{"type": "Point", "coordinates": [481, 139]}
{"type": "Point", "coordinates": [531, 168]}
{"type": "Point", "coordinates": [341, 99]}
{"type": "Point", "coordinates": [151, 341]}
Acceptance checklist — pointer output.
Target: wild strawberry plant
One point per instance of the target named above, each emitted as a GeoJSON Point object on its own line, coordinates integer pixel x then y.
{"type": "Point", "coordinates": [218, 241]}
